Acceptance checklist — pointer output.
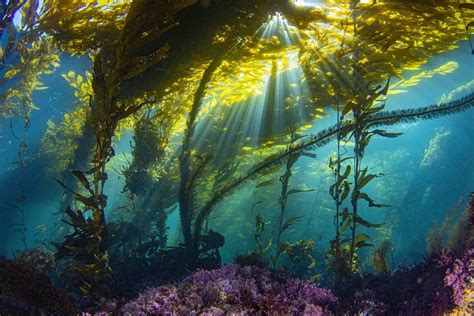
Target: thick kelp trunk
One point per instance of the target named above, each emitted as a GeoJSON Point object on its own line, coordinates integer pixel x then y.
{"type": "Point", "coordinates": [113, 65]}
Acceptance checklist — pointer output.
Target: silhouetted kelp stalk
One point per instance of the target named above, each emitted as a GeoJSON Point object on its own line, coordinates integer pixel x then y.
{"type": "Point", "coordinates": [284, 224]}
{"type": "Point", "coordinates": [36, 59]}
{"type": "Point", "coordinates": [298, 251]}
{"type": "Point", "coordinates": [364, 102]}
{"type": "Point", "coordinates": [365, 105]}
{"type": "Point", "coordinates": [189, 173]}
{"type": "Point", "coordinates": [316, 208]}
{"type": "Point", "coordinates": [19, 203]}
{"type": "Point", "coordinates": [336, 255]}
{"type": "Point", "coordinates": [79, 161]}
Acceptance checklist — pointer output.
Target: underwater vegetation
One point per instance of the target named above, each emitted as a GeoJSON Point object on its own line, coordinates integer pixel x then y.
{"type": "Point", "coordinates": [441, 284]}
{"type": "Point", "coordinates": [182, 120]}
{"type": "Point", "coordinates": [233, 289]}
{"type": "Point", "coordinates": [26, 288]}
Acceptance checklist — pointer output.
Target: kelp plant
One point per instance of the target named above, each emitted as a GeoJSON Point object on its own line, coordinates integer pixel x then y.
{"type": "Point", "coordinates": [129, 39]}
{"type": "Point", "coordinates": [296, 252]}
{"type": "Point", "coordinates": [36, 58]}
{"type": "Point", "coordinates": [113, 65]}
{"type": "Point", "coordinates": [149, 147]}
{"type": "Point", "coordinates": [282, 223]}
{"type": "Point", "coordinates": [189, 173]}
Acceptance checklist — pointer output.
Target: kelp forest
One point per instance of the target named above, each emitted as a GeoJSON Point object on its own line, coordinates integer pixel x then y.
{"type": "Point", "coordinates": [236, 157]}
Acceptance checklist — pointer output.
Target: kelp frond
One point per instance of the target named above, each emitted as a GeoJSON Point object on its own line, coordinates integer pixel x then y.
{"type": "Point", "coordinates": [322, 138]}
{"type": "Point", "coordinates": [424, 113]}
{"type": "Point", "coordinates": [381, 118]}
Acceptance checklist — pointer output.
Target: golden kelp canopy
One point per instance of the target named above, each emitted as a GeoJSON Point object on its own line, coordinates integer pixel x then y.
{"type": "Point", "coordinates": [391, 36]}
{"type": "Point", "coordinates": [82, 25]}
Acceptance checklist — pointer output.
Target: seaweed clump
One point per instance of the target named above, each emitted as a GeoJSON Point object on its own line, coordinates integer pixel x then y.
{"type": "Point", "coordinates": [148, 148]}
{"type": "Point", "coordinates": [416, 290]}
{"type": "Point", "coordinates": [440, 285]}
{"type": "Point", "coordinates": [26, 289]}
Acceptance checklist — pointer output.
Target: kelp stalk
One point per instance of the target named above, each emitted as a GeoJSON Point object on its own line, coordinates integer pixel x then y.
{"type": "Point", "coordinates": [186, 207]}
{"type": "Point", "coordinates": [284, 179]}
{"type": "Point", "coordinates": [322, 138]}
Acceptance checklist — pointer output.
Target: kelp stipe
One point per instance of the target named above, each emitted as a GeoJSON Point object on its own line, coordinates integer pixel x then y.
{"type": "Point", "coordinates": [423, 113]}
{"type": "Point", "coordinates": [337, 256]}
{"type": "Point", "coordinates": [362, 134]}
{"type": "Point", "coordinates": [188, 172]}
{"type": "Point", "coordinates": [283, 224]}
{"type": "Point", "coordinates": [328, 135]}
{"type": "Point", "coordinates": [365, 100]}
{"type": "Point", "coordinates": [382, 118]}
{"type": "Point", "coordinates": [37, 57]}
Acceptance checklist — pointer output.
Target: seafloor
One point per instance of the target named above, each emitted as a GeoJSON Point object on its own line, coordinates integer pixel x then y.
{"type": "Point", "coordinates": [440, 285]}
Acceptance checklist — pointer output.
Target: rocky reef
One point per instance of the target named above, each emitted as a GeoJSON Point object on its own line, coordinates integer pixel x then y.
{"type": "Point", "coordinates": [246, 290]}
{"type": "Point", "coordinates": [25, 289]}
{"type": "Point", "coordinates": [442, 284]}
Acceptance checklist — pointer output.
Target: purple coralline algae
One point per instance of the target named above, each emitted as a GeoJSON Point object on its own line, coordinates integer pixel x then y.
{"type": "Point", "coordinates": [233, 289]}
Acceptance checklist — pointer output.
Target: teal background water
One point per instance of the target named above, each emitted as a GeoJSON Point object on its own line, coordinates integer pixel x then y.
{"type": "Point", "coordinates": [420, 191]}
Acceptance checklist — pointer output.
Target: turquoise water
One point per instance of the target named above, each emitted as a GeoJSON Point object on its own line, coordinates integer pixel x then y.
{"type": "Point", "coordinates": [420, 186]}
{"type": "Point", "coordinates": [257, 157]}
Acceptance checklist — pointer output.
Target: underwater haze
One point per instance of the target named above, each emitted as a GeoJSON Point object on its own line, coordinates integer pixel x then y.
{"type": "Point", "coordinates": [236, 157]}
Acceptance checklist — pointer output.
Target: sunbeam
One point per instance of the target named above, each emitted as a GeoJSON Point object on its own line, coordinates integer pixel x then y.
{"type": "Point", "coordinates": [279, 105]}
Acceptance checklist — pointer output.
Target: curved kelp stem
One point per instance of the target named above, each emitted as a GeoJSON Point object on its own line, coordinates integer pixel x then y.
{"type": "Point", "coordinates": [424, 113]}
{"type": "Point", "coordinates": [187, 176]}
{"type": "Point", "coordinates": [330, 134]}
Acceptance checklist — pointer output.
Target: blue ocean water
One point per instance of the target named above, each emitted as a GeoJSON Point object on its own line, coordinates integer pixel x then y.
{"type": "Point", "coordinates": [426, 171]}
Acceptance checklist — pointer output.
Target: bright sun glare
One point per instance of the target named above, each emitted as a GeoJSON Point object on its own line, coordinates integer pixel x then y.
{"type": "Point", "coordinates": [17, 16]}
{"type": "Point", "coordinates": [308, 3]}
